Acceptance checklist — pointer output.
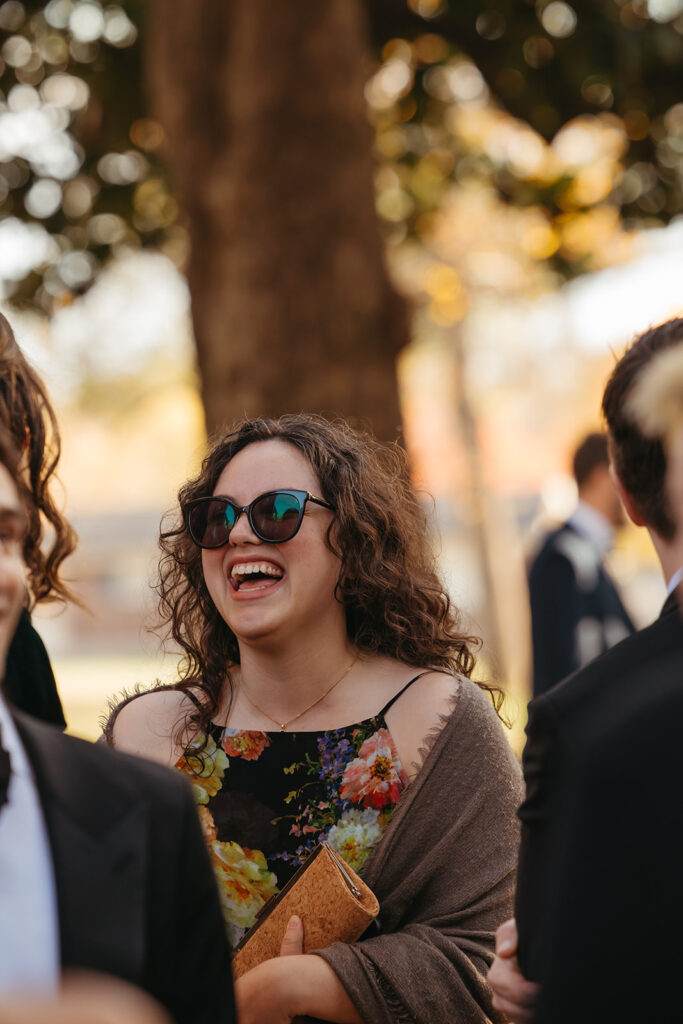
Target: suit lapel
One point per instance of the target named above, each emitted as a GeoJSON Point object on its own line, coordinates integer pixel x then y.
{"type": "Point", "coordinates": [670, 605]}
{"type": "Point", "coordinates": [99, 841]}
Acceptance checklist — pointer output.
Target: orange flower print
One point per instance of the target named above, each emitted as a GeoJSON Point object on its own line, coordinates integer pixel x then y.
{"type": "Point", "coordinates": [247, 744]}
{"type": "Point", "coordinates": [207, 823]}
{"type": "Point", "coordinates": [244, 880]}
{"type": "Point", "coordinates": [205, 764]}
{"type": "Point", "coordinates": [244, 885]}
{"type": "Point", "coordinates": [375, 778]}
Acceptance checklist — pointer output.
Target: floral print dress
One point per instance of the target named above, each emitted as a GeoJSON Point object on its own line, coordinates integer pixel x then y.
{"type": "Point", "coordinates": [266, 799]}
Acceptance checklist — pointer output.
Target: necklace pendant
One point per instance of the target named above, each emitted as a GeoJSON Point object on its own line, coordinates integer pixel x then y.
{"type": "Point", "coordinates": [283, 727]}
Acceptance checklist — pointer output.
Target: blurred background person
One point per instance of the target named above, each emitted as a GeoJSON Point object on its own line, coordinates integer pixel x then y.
{"type": "Point", "coordinates": [26, 413]}
{"type": "Point", "coordinates": [576, 610]}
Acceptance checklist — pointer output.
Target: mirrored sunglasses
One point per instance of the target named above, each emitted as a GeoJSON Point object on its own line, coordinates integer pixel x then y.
{"type": "Point", "coordinates": [274, 517]}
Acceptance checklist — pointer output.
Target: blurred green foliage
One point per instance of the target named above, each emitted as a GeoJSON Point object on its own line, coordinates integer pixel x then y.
{"type": "Point", "coordinates": [78, 154]}
{"type": "Point", "coordinates": [572, 110]}
{"type": "Point", "coordinates": [469, 91]}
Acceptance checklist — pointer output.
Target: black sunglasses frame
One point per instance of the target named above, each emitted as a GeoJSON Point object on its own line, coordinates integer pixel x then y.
{"type": "Point", "coordinates": [302, 497]}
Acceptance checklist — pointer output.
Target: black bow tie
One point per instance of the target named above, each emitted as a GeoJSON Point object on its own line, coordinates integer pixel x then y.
{"type": "Point", "coordinates": [5, 772]}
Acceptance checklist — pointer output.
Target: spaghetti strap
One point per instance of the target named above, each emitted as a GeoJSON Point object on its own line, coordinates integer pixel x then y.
{"type": "Point", "coordinates": [403, 689]}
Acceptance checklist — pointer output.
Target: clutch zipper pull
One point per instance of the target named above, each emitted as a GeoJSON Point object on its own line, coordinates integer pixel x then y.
{"type": "Point", "coordinates": [342, 869]}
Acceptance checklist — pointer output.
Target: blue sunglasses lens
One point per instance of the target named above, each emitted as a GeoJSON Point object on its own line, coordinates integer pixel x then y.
{"type": "Point", "coordinates": [275, 517]}
{"type": "Point", "coordinates": [210, 523]}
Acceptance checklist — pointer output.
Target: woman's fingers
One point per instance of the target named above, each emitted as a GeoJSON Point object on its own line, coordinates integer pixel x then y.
{"type": "Point", "coordinates": [293, 941]}
{"type": "Point", "coordinates": [506, 938]}
{"type": "Point", "coordinates": [512, 993]}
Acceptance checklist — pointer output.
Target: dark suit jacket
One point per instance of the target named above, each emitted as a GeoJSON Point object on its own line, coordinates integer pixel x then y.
{"type": "Point", "coordinates": [616, 913]}
{"type": "Point", "coordinates": [135, 890]}
{"type": "Point", "coordinates": [571, 595]}
{"type": "Point", "coordinates": [564, 727]}
{"type": "Point", "coordinates": [29, 682]}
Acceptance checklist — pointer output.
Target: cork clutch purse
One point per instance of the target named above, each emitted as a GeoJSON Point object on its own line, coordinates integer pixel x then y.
{"type": "Point", "coordinates": [334, 904]}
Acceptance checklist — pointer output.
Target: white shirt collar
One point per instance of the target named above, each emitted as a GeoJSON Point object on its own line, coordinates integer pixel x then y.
{"type": "Point", "coordinates": [29, 924]}
{"type": "Point", "coordinates": [674, 581]}
{"type": "Point", "coordinates": [592, 525]}
{"type": "Point", "coordinates": [12, 743]}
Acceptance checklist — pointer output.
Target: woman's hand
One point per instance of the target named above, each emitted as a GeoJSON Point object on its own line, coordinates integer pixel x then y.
{"type": "Point", "coordinates": [280, 989]}
{"type": "Point", "coordinates": [266, 993]}
{"type": "Point", "coordinates": [293, 941]}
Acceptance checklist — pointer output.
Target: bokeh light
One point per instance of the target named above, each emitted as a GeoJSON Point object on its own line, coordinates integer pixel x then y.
{"type": "Point", "coordinates": [558, 19]}
{"type": "Point", "coordinates": [65, 90]}
{"type": "Point", "coordinates": [86, 21]}
{"type": "Point", "coordinates": [43, 198]}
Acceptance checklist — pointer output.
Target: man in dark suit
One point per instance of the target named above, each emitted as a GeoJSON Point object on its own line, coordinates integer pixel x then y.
{"type": "Point", "coordinates": [613, 923]}
{"type": "Point", "coordinates": [602, 830]}
{"type": "Point", "coordinates": [576, 611]}
{"type": "Point", "coordinates": [102, 861]}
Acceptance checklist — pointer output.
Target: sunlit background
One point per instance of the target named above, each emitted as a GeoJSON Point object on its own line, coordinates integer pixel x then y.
{"type": "Point", "coordinates": [531, 250]}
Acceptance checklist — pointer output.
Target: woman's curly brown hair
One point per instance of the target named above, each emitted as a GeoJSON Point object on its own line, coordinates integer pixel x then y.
{"type": "Point", "coordinates": [26, 413]}
{"type": "Point", "coordinates": [395, 602]}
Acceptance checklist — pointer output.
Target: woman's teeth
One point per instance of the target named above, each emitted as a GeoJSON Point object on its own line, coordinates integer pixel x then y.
{"type": "Point", "coordinates": [241, 573]}
{"type": "Point", "coordinates": [250, 568]}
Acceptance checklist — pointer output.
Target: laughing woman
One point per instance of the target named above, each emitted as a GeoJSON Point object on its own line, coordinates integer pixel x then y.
{"type": "Point", "coordinates": [325, 694]}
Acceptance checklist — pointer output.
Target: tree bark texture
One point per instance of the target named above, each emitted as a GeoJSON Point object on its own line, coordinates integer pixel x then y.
{"type": "Point", "coordinates": [262, 104]}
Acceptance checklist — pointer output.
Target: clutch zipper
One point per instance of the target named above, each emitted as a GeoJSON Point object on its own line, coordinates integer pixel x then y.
{"type": "Point", "coordinates": [341, 866]}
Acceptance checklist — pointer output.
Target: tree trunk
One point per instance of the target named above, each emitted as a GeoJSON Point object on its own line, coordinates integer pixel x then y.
{"type": "Point", "coordinates": [262, 104]}
{"type": "Point", "coordinates": [468, 429]}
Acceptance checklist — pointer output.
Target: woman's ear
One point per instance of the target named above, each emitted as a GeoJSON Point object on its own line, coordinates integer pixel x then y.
{"type": "Point", "coordinates": [627, 501]}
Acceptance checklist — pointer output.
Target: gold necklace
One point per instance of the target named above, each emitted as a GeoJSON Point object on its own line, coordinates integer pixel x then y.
{"type": "Point", "coordinates": [283, 725]}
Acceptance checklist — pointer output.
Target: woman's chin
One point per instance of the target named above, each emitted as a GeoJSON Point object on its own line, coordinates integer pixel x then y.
{"type": "Point", "coordinates": [256, 624]}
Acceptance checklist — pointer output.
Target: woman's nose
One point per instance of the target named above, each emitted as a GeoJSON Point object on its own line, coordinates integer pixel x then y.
{"type": "Point", "coordinates": [242, 532]}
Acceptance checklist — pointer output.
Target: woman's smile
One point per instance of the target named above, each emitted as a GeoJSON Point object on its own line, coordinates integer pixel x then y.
{"type": "Point", "coordinates": [251, 576]}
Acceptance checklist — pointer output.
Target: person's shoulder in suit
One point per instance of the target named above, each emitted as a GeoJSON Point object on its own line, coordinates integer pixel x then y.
{"type": "Point", "coordinates": [564, 551]}
{"type": "Point", "coordinates": [563, 724]}
{"type": "Point", "coordinates": [558, 576]}
{"type": "Point", "coordinates": [546, 549]}
{"type": "Point", "coordinates": [186, 955]}
{"type": "Point", "coordinates": [613, 903]}
{"type": "Point", "coordinates": [596, 688]}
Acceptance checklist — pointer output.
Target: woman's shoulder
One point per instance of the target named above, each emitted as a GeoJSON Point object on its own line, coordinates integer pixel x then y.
{"type": "Point", "coordinates": [417, 711]}
{"type": "Point", "coordinates": [455, 715]}
{"type": "Point", "coordinates": [427, 691]}
{"type": "Point", "coordinates": [146, 722]}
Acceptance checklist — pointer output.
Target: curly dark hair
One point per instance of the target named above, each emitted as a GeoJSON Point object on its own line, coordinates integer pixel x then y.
{"type": "Point", "coordinates": [640, 461]}
{"type": "Point", "coordinates": [395, 602]}
{"type": "Point", "coordinates": [9, 456]}
{"type": "Point", "coordinates": [27, 415]}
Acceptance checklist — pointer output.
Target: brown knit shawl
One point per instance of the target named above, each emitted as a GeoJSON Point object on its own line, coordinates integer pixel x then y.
{"type": "Point", "coordinates": [444, 874]}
